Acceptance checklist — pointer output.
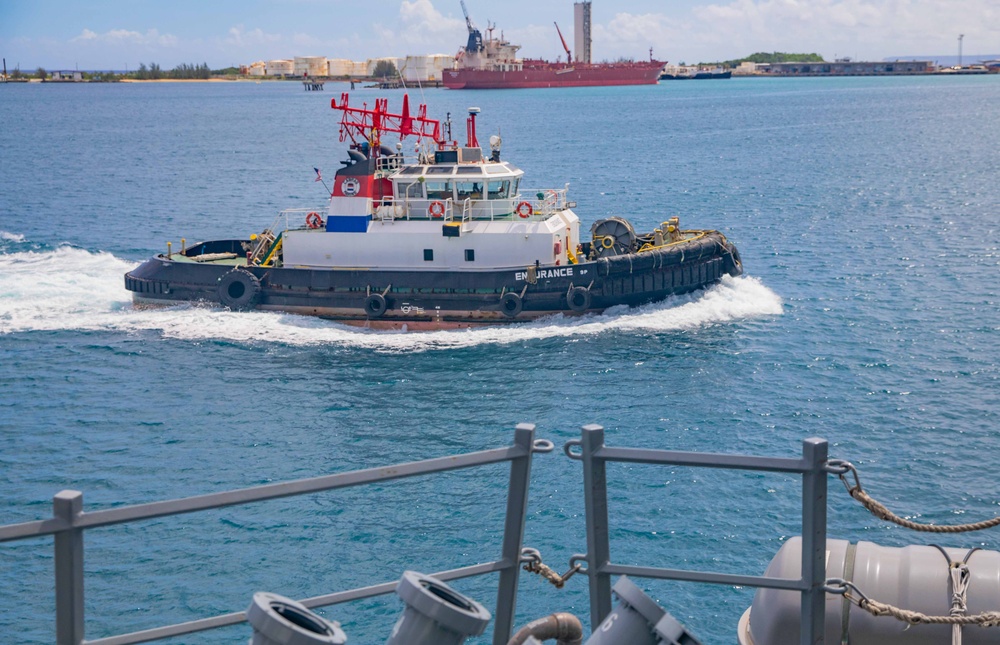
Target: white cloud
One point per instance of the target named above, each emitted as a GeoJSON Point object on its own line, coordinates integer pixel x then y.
{"type": "Point", "coordinates": [870, 29]}
{"type": "Point", "coordinates": [238, 36]}
{"type": "Point", "coordinates": [421, 27]}
{"type": "Point", "coordinates": [124, 36]}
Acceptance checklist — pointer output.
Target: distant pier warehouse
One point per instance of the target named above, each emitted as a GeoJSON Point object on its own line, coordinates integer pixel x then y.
{"type": "Point", "coordinates": [848, 68]}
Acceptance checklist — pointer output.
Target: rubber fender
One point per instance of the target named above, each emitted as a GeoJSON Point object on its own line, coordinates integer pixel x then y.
{"type": "Point", "coordinates": [733, 265]}
{"type": "Point", "coordinates": [578, 299]}
{"type": "Point", "coordinates": [375, 305]}
{"type": "Point", "coordinates": [238, 289]}
{"type": "Point", "coordinates": [511, 304]}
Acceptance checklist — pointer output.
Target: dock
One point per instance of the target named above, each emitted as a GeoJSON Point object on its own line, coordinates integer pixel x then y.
{"type": "Point", "coordinates": [312, 86]}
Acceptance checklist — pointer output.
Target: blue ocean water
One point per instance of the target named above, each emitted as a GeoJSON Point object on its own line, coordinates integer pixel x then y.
{"type": "Point", "coordinates": [867, 212]}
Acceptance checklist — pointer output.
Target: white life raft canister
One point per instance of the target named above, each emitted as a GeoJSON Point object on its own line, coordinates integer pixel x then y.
{"type": "Point", "coordinates": [912, 577]}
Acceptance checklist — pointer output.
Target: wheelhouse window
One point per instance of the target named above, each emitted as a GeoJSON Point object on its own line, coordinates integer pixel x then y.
{"type": "Point", "coordinates": [498, 189]}
{"type": "Point", "coordinates": [469, 190]}
{"type": "Point", "coordinates": [439, 189]}
{"type": "Point", "coordinates": [413, 190]}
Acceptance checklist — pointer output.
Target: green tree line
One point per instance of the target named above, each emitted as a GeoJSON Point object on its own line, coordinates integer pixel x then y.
{"type": "Point", "coordinates": [184, 71]}
{"type": "Point", "coordinates": [771, 57]}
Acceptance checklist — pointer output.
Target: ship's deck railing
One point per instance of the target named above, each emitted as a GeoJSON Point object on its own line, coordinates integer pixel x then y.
{"type": "Point", "coordinates": [595, 456]}
{"type": "Point", "coordinates": [542, 204]}
{"type": "Point", "coordinates": [69, 522]}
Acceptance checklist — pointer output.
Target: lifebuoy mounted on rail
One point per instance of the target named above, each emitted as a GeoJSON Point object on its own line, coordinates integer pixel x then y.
{"type": "Point", "coordinates": [238, 289]}
{"type": "Point", "coordinates": [524, 210]}
{"type": "Point", "coordinates": [314, 220]}
{"type": "Point", "coordinates": [436, 210]}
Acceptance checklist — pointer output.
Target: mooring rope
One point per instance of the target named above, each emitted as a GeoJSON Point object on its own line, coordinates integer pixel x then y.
{"type": "Point", "coordinates": [877, 609]}
{"type": "Point", "coordinates": [879, 510]}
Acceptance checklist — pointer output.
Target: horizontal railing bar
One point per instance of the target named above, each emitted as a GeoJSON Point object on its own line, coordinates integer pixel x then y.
{"type": "Point", "coordinates": [388, 587]}
{"type": "Point", "coordinates": [260, 493]}
{"type": "Point", "coordinates": [226, 620]}
{"type": "Point", "coordinates": [791, 584]}
{"type": "Point", "coordinates": [707, 460]}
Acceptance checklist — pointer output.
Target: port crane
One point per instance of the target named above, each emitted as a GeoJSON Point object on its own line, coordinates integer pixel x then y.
{"type": "Point", "coordinates": [569, 56]}
{"type": "Point", "coordinates": [475, 43]}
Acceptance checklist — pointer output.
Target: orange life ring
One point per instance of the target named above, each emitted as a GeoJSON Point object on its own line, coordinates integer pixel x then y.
{"type": "Point", "coordinates": [313, 220]}
{"type": "Point", "coordinates": [436, 210]}
{"type": "Point", "coordinates": [524, 209]}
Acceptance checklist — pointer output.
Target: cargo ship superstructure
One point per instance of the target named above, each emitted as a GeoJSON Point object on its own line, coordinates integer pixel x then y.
{"type": "Point", "coordinates": [492, 63]}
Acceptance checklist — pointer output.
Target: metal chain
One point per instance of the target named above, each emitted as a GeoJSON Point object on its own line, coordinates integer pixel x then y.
{"type": "Point", "coordinates": [842, 468]}
{"type": "Point", "coordinates": [532, 559]}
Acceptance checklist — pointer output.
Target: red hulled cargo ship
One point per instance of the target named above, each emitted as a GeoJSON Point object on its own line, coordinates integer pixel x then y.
{"type": "Point", "coordinates": [492, 63]}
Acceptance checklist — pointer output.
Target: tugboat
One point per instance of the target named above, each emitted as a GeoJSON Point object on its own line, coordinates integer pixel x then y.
{"type": "Point", "coordinates": [445, 239]}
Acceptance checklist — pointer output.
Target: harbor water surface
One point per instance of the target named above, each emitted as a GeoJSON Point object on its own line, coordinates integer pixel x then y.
{"type": "Point", "coordinates": [867, 213]}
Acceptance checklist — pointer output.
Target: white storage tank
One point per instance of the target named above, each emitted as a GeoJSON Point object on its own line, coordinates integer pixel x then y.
{"type": "Point", "coordinates": [257, 69]}
{"type": "Point", "coordinates": [280, 67]}
{"type": "Point", "coordinates": [916, 578]}
{"type": "Point", "coordinates": [436, 63]}
{"type": "Point", "coordinates": [414, 69]}
{"type": "Point", "coordinates": [339, 67]}
{"type": "Point", "coordinates": [312, 66]}
{"type": "Point", "coordinates": [359, 69]}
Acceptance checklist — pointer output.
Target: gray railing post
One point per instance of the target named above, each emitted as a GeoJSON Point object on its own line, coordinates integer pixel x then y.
{"type": "Point", "coordinates": [66, 506]}
{"type": "Point", "coordinates": [595, 495]}
{"type": "Point", "coordinates": [513, 534]}
{"type": "Point", "coordinates": [814, 454]}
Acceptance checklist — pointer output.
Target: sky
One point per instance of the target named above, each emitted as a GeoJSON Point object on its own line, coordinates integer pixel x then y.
{"type": "Point", "coordinates": [119, 34]}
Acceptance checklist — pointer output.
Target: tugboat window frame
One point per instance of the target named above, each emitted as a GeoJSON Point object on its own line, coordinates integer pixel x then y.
{"type": "Point", "coordinates": [470, 255]}
{"type": "Point", "coordinates": [414, 190]}
{"type": "Point", "coordinates": [439, 189]}
{"type": "Point", "coordinates": [469, 190]}
{"type": "Point", "coordinates": [497, 189]}
{"type": "Point", "coordinates": [428, 255]}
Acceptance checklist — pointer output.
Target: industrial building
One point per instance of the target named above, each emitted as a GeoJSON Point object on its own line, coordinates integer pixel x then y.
{"type": "Point", "coordinates": [845, 67]}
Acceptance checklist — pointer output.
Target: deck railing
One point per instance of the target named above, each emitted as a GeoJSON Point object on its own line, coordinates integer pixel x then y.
{"type": "Point", "coordinates": [812, 466]}
{"type": "Point", "coordinates": [69, 522]}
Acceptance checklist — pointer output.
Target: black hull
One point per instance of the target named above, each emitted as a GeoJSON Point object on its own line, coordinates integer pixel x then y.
{"type": "Point", "coordinates": [436, 299]}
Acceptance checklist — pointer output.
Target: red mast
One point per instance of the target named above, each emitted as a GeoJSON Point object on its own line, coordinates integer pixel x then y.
{"type": "Point", "coordinates": [369, 125]}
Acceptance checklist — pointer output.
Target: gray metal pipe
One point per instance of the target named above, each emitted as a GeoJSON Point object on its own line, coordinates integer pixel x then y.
{"type": "Point", "coordinates": [562, 626]}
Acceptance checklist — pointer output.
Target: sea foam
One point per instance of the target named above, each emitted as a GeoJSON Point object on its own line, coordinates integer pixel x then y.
{"type": "Point", "coordinates": [74, 289]}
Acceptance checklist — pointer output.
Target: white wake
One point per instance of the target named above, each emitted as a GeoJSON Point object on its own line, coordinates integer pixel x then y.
{"type": "Point", "coordinates": [75, 289]}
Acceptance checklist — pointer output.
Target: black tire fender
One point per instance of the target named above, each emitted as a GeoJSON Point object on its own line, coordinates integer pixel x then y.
{"type": "Point", "coordinates": [511, 304]}
{"type": "Point", "coordinates": [578, 299]}
{"type": "Point", "coordinates": [375, 305]}
{"type": "Point", "coordinates": [238, 289]}
{"type": "Point", "coordinates": [732, 262]}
